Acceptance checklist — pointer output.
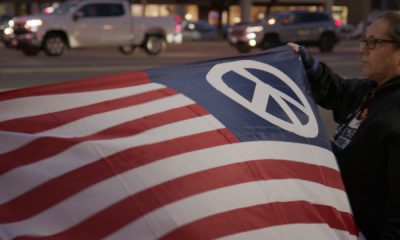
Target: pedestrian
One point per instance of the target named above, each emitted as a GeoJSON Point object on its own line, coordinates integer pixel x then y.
{"type": "Point", "coordinates": [367, 140]}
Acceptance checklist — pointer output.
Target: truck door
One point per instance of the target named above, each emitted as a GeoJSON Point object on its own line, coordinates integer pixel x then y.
{"type": "Point", "coordinates": [102, 24]}
{"type": "Point", "coordinates": [306, 28]}
{"type": "Point", "coordinates": [296, 28]}
{"type": "Point", "coordinates": [287, 27]}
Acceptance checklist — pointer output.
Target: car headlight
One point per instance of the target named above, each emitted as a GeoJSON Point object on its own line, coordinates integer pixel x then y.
{"type": "Point", "coordinates": [8, 31]}
{"type": "Point", "coordinates": [11, 23]}
{"type": "Point", "coordinates": [251, 35]}
{"type": "Point", "coordinates": [254, 29]}
{"type": "Point", "coordinates": [33, 24]}
{"type": "Point", "coordinates": [271, 21]}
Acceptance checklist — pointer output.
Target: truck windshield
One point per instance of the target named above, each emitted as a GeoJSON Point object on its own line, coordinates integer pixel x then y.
{"type": "Point", "coordinates": [64, 8]}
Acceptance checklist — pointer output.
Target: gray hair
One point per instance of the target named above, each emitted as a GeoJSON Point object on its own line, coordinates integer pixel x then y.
{"type": "Point", "coordinates": [393, 18]}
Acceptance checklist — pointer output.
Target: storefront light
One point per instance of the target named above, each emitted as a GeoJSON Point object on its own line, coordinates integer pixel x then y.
{"type": "Point", "coordinates": [236, 20]}
{"type": "Point", "coordinates": [48, 10]}
{"type": "Point", "coordinates": [188, 16]}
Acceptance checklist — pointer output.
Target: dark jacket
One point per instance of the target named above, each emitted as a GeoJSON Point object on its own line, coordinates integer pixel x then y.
{"type": "Point", "coordinates": [367, 147]}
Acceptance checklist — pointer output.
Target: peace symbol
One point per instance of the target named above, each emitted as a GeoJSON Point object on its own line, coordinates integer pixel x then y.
{"type": "Point", "coordinates": [263, 93]}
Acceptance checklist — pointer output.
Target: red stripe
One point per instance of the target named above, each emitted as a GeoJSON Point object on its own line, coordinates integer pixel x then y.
{"type": "Point", "coordinates": [89, 84]}
{"type": "Point", "coordinates": [263, 216]}
{"type": "Point", "coordinates": [34, 151]}
{"type": "Point", "coordinates": [135, 206]}
{"type": "Point", "coordinates": [52, 120]}
{"type": "Point", "coordinates": [60, 188]}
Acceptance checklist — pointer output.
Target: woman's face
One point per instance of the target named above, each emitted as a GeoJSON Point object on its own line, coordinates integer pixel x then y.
{"type": "Point", "coordinates": [383, 62]}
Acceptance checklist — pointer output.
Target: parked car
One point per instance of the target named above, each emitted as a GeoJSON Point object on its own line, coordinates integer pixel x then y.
{"type": "Point", "coordinates": [303, 27]}
{"type": "Point", "coordinates": [93, 23]}
{"type": "Point", "coordinates": [198, 30]}
{"type": "Point", "coordinates": [3, 25]}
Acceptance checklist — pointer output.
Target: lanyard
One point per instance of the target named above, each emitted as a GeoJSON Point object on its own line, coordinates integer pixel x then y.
{"type": "Point", "coordinates": [346, 131]}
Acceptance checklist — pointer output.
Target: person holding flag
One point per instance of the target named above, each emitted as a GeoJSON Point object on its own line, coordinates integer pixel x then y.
{"type": "Point", "coordinates": [367, 140]}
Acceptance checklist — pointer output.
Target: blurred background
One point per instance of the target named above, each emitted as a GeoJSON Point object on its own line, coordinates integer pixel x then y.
{"type": "Point", "coordinates": [206, 17]}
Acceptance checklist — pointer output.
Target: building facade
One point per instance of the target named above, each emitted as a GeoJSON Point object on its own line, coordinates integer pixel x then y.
{"type": "Point", "coordinates": [232, 11]}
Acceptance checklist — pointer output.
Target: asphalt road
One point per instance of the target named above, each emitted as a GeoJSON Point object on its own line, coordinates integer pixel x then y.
{"type": "Point", "coordinates": [18, 71]}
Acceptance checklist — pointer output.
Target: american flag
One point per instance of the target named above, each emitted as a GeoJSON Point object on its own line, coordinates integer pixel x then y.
{"type": "Point", "coordinates": [230, 148]}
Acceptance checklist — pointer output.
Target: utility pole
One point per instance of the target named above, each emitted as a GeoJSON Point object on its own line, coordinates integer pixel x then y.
{"type": "Point", "coordinates": [144, 3]}
{"type": "Point", "coordinates": [245, 8]}
{"type": "Point", "coordinates": [270, 4]}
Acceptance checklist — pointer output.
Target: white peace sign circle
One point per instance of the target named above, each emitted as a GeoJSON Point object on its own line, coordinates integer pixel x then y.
{"type": "Point", "coordinates": [263, 92]}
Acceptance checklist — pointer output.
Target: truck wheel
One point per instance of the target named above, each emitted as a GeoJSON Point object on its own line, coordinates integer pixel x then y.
{"type": "Point", "coordinates": [127, 49]}
{"type": "Point", "coordinates": [326, 42]}
{"type": "Point", "coordinates": [54, 45]}
{"type": "Point", "coordinates": [30, 51]}
{"type": "Point", "coordinates": [154, 45]}
{"type": "Point", "coordinates": [243, 47]}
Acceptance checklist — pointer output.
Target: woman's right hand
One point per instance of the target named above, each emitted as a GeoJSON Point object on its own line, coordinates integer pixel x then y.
{"type": "Point", "coordinates": [310, 63]}
{"type": "Point", "coordinates": [294, 46]}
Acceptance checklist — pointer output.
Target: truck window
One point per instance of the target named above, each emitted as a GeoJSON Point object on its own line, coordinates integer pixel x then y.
{"type": "Point", "coordinates": [102, 10]}
{"type": "Point", "coordinates": [64, 8]}
{"type": "Point", "coordinates": [311, 17]}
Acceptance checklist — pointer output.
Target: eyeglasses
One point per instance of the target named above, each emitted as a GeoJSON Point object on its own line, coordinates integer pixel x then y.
{"type": "Point", "coordinates": [370, 43]}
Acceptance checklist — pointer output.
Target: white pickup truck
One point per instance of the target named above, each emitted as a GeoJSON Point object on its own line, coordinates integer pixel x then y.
{"type": "Point", "coordinates": [93, 23]}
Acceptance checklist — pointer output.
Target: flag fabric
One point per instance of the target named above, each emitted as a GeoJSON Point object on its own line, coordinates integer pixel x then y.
{"type": "Point", "coordinates": [231, 148]}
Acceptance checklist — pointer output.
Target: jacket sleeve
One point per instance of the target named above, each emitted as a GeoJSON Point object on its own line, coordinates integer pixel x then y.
{"type": "Point", "coordinates": [335, 93]}
{"type": "Point", "coordinates": [391, 141]}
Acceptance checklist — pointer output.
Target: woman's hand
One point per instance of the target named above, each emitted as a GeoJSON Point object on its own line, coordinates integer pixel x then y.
{"type": "Point", "coordinates": [294, 46]}
{"type": "Point", "coordinates": [310, 63]}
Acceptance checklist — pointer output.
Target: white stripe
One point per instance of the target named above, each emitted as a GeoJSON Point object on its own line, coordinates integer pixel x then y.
{"type": "Point", "coordinates": [110, 191]}
{"type": "Point", "coordinates": [293, 232]}
{"type": "Point", "coordinates": [180, 213]}
{"type": "Point", "coordinates": [36, 105]}
{"type": "Point", "coordinates": [95, 123]}
{"type": "Point", "coordinates": [98, 122]}
{"type": "Point", "coordinates": [22, 179]}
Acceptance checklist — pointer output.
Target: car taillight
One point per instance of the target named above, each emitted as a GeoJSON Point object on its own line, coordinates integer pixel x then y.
{"type": "Point", "coordinates": [178, 25]}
